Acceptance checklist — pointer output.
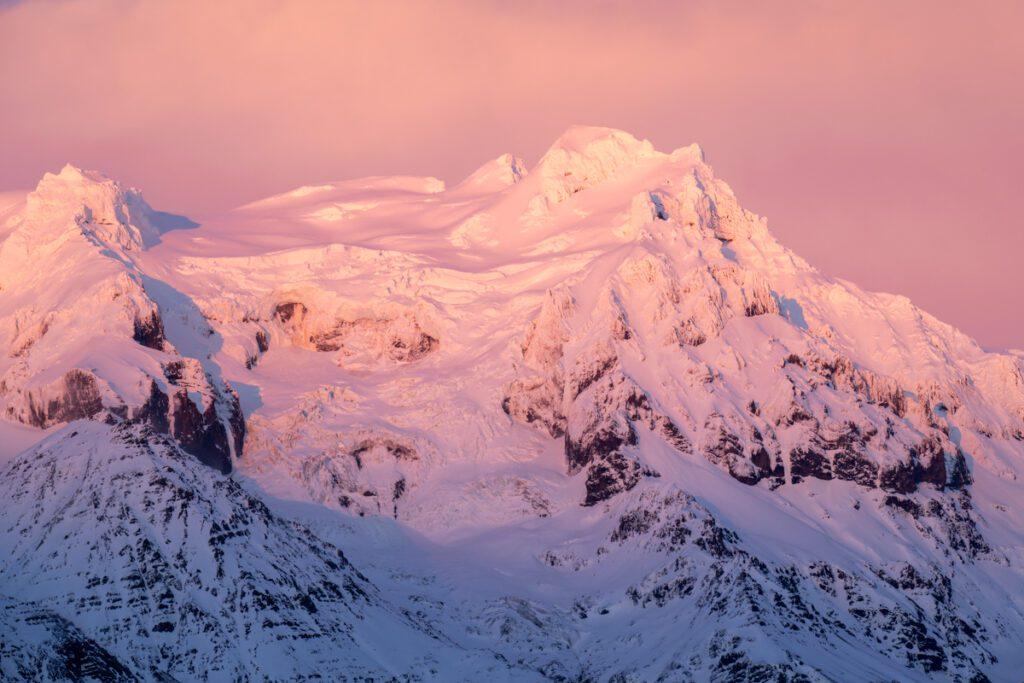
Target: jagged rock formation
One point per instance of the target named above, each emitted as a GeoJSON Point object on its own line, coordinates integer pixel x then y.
{"type": "Point", "coordinates": [399, 338]}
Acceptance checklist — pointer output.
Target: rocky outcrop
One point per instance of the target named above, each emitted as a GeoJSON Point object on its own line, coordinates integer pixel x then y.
{"type": "Point", "coordinates": [395, 338]}
{"type": "Point", "coordinates": [200, 433]}
{"type": "Point", "coordinates": [913, 615]}
{"type": "Point", "coordinates": [841, 451]}
{"type": "Point", "coordinates": [368, 468]}
{"type": "Point", "coordinates": [746, 459]}
{"type": "Point", "coordinates": [537, 395]}
{"type": "Point", "coordinates": [585, 397]}
{"type": "Point", "coordinates": [38, 644]}
{"type": "Point", "coordinates": [928, 462]}
{"type": "Point", "coordinates": [571, 380]}
{"type": "Point", "coordinates": [213, 430]}
{"type": "Point", "coordinates": [149, 331]}
{"type": "Point", "coordinates": [75, 396]}
{"type": "Point", "coordinates": [841, 374]}
{"type": "Point", "coordinates": [605, 408]}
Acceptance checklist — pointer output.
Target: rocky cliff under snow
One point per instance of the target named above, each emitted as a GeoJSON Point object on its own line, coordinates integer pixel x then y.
{"type": "Point", "coordinates": [586, 421]}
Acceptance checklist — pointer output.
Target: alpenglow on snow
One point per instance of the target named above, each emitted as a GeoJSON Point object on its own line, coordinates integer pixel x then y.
{"type": "Point", "coordinates": [583, 421]}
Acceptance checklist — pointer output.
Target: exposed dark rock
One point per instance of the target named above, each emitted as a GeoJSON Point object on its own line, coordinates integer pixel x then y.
{"type": "Point", "coordinates": [149, 331]}
{"type": "Point", "coordinates": [154, 411]}
{"type": "Point", "coordinates": [613, 474]}
{"type": "Point", "coordinates": [850, 461]}
{"type": "Point", "coordinates": [899, 478]}
{"type": "Point", "coordinates": [727, 449]}
{"type": "Point", "coordinates": [959, 474]}
{"type": "Point", "coordinates": [236, 422]}
{"type": "Point", "coordinates": [761, 459]}
{"type": "Point", "coordinates": [841, 374]}
{"type": "Point", "coordinates": [201, 434]}
{"type": "Point", "coordinates": [614, 404]}
{"type": "Point", "coordinates": [758, 307]}
{"type": "Point", "coordinates": [689, 334]}
{"type": "Point", "coordinates": [285, 312]}
{"type": "Point", "coordinates": [908, 505]}
{"type": "Point", "coordinates": [931, 460]}
{"type": "Point", "coordinates": [262, 341]}
{"type": "Point", "coordinates": [736, 667]}
{"type": "Point", "coordinates": [326, 342]}
{"type": "Point", "coordinates": [398, 450]}
{"type": "Point", "coordinates": [595, 444]}
{"type": "Point", "coordinates": [397, 492]}
{"type": "Point", "coordinates": [807, 462]}
{"type": "Point", "coordinates": [78, 398]}
{"type": "Point", "coordinates": [926, 464]}
{"type": "Point", "coordinates": [855, 467]}
{"type": "Point", "coordinates": [174, 371]}
{"type": "Point", "coordinates": [633, 523]}
{"type": "Point", "coordinates": [67, 655]}
{"type": "Point", "coordinates": [420, 346]}
{"type": "Point", "coordinates": [673, 435]}
{"type": "Point", "coordinates": [796, 413]}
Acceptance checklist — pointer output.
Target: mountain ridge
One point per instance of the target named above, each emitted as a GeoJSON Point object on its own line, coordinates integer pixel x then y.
{"type": "Point", "coordinates": [585, 404]}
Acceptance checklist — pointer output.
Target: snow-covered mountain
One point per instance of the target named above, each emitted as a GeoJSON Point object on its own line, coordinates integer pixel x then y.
{"type": "Point", "coordinates": [587, 421]}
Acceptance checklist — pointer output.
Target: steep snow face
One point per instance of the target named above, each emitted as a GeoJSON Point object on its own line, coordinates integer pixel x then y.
{"type": "Point", "coordinates": [82, 333]}
{"type": "Point", "coordinates": [598, 396]}
{"type": "Point", "coordinates": [179, 572]}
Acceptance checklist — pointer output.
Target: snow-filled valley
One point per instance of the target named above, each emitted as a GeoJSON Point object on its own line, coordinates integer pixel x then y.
{"type": "Point", "coordinates": [586, 421]}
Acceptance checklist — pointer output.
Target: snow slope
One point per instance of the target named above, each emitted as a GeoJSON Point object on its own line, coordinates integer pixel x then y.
{"type": "Point", "coordinates": [586, 420]}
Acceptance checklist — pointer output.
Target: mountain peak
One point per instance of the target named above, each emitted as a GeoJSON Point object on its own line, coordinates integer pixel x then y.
{"type": "Point", "coordinates": [692, 151]}
{"type": "Point", "coordinates": [72, 172]}
{"type": "Point", "coordinates": [579, 138]}
{"type": "Point", "coordinates": [584, 156]}
{"type": "Point", "coordinates": [91, 203]}
{"type": "Point", "coordinates": [498, 173]}
{"type": "Point", "coordinates": [72, 181]}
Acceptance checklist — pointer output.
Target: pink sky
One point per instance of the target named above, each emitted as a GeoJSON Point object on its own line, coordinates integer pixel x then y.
{"type": "Point", "coordinates": [884, 141]}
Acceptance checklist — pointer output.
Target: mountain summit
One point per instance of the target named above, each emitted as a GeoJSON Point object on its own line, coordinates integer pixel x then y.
{"type": "Point", "coordinates": [585, 421]}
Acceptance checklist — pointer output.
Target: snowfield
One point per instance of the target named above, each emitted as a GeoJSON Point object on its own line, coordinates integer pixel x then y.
{"type": "Point", "coordinates": [587, 421]}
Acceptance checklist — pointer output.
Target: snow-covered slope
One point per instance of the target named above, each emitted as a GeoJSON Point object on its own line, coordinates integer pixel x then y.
{"type": "Point", "coordinates": [586, 420]}
{"type": "Point", "coordinates": [182, 573]}
{"type": "Point", "coordinates": [81, 325]}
